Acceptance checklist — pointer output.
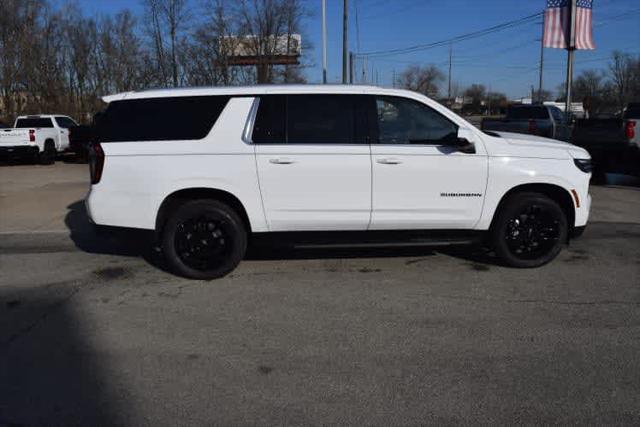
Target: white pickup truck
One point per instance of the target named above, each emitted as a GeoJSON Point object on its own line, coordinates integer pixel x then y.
{"type": "Point", "coordinates": [210, 169]}
{"type": "Point", "coordinates": [38, 136]}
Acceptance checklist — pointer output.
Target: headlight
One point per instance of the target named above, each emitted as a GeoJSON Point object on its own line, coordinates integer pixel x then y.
{"type": "Point", "coordinates": [584, 165]}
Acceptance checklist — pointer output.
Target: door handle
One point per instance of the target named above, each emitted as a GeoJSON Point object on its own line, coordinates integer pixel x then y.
{"type": "Point", "coordinates": [281, 161]}
{"type": "Point", "coordinates": [389, 161]}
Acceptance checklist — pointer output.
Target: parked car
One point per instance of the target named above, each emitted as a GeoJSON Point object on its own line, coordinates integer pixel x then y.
{"type": "Point", "coordinates": [542, 120]}
{"type": "Point", "coordinates": [80, 139]}
{"type": "Point", "coordinates": [38, 136]}
{"type": "Point", "coordinates": [613, 143]}
{"type": "Point", "coordinates": [329, 161]}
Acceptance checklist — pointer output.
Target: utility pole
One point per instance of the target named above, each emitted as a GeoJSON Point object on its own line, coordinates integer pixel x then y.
{"type": "Point", "coordinates": [351, 67]}
{"type": "Point", "coordinates": [533, 91]}
{"type": "Point", "coordinates": [365, 64]}
{"type": "Point", "coordinates": [324, 41]}
{"type": "Point", "coordinates": [393, 83]}
{"type": "Point", "coordinates": [450, 57]}
{"type": "Point", "coordinates": [345, 30]}
{"type": "Point", "coordinates": [570, 53]}
{"type": "Point", "coordinates": [540, 100]}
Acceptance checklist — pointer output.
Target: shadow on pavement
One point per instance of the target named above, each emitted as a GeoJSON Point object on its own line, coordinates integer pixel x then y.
{"type": "Point", "coordinates": [139, 243]}
{"type": "Point", "coordinates": [49, 371]}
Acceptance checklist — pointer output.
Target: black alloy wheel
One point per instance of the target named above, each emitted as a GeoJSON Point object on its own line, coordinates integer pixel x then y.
{"type": "Point", "coordinates": [204, 239]}
{"type": "Point", "coordinates": [529, 231]}
{"type": "Point", "coordinates": [532, 232]}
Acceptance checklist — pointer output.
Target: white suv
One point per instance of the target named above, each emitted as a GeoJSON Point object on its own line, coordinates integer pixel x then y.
{"type": "Point", "coordinates": [208, 168]}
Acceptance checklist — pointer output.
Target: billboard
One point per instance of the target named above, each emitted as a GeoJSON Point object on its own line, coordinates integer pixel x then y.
{"type": "Point", "coordinates": [254, 50]}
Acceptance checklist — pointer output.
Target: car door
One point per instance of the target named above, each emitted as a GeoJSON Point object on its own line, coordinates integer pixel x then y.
{"type": "Point", "coordinates": [64, 124]}
{"type": "Point", "coordinates": [420, 179]}
{"type": "Point", "coordinates": [314, 168]}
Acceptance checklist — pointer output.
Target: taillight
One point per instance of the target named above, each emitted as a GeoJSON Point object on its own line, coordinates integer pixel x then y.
{"type": "Point", "coordinates": [32, 135]}
{"type": "Point", "coordinates": [96, 162]}
{"type": "Point", "coordinates": [533, 126]}
{"type": "Point", "coordinates": [630, 129]}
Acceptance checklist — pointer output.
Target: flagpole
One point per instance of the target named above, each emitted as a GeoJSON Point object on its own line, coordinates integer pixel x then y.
{"type": "Point", "coordinates": [541, 63]}
{"type": "Point", "coordinates": [570, 53]}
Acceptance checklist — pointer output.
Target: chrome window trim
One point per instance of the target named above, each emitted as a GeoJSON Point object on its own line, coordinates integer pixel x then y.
{"type": "Point", "coordinates": [251, 120]}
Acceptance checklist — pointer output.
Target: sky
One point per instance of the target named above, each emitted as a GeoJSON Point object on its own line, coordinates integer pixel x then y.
{"type": "Point", "coordinates": [505, 61]}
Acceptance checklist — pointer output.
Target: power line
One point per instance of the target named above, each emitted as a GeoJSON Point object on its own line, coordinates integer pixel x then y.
{"type": "Point", "coordinates": [468, 36]}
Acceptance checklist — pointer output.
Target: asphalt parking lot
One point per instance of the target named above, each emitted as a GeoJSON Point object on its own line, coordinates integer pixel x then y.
{"type": "Point", "coordinates": [93, 332]}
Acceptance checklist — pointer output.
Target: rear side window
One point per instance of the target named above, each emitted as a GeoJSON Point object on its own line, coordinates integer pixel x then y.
{"type": "Point", "coordinates": [34, 123]}
{"type": "Point", "coordinates": [160, 119]}
{"type": "Point", "coordinates": [65, 122]}
{"type": "Point", "coordinates": [311, 119]}
{"type": "Point", "coordinates": [325, 119]}
{"type": "Point", "coordinates": [270, 124]}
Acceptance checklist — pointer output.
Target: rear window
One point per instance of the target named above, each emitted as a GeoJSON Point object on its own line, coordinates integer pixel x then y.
{"type": "Point", "coordinates": [632, 112]}
{"type": "Point", "coordinates": [34, 123]}
{"type": "Point", "coordinates": [527, 113]}
{"type": "Point", "coordinates": [160, 119]}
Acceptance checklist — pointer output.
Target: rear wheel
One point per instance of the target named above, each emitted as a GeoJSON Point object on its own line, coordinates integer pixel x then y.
{"type": "Point", "coordinates": [48, 155]}
{"type": "Point", "coordinates": [529, 231]}
{"type": "Point", "coordinates": [204, 239]}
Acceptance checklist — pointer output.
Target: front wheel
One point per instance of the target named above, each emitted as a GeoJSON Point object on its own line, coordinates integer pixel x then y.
{"type": "Point", "coordinates": [529, 231]}
{"type": "Point", "coordinates": [204, 239]}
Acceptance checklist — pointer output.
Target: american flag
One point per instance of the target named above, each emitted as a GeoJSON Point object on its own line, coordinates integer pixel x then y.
{"type": "Point", "coordinates": [557, 27]}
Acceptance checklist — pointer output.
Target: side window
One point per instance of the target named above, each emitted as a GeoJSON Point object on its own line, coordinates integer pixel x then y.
{"type": "Point", "coordinates": [65, 122]}
{"type": "Point", "coordinates": [557, 114]}
{"type": "Point", "coordinates": [405, 121]}
{"type": "Point", "coordinates": [161, 119]}
{"type": "Point", "coordinates": [320, 119]}
{"type": "Point", "coordinates": [269, 127]}
{"type": "Point", "coordinates": [312, 119]}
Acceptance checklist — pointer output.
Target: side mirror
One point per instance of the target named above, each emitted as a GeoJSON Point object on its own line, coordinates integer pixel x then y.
{"type": "Point", "coordinates": [464, 146]}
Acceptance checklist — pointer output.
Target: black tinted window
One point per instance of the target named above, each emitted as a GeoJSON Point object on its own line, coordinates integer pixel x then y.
{"type": "Point", "coordinates": [528, 113]}
{"type": "Point", "coordinates": [34, 123]}
{"type": "Point", "coordinates": [405, 121]}
{"type": "Point", "coordinates": [160, 119]}
{"type": "Point", "coordinates": [65, 122]}
{"type": "Point", "coordinates": [324, 119]}
{"type": "Point", "coordinates": [632, 111]}
{"type": "Point", "coordinates": [269, 126]}
{"type": "Point", "coordinates": [312, 119]}
{"type": "Point", "coordinates": [557, 114]}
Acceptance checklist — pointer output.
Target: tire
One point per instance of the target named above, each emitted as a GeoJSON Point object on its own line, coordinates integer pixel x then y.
{"type": "Point", "coordinates": [529, 230]}
{"type": "Point", "coordinates": [48, 155]}
{"type": "Point", "coordinates": [219, 244]}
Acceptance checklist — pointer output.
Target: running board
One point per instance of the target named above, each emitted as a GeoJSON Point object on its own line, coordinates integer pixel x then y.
{"type": "Point", "coordinates": [369, 239]}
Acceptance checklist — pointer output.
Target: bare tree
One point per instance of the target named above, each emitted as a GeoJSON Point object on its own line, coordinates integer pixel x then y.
{"type": "Point", "coordinates": [496, 101]}
{"type": "Point", "coordinates": [621, 69]}
{"type": "Point", "coordinates": [477, 93]}
{"type": "Point", "coordinates": [166, 19]}
{"type": "Point", "coordinates": [425, 79]}
{"type": "Point", "coordinates": [265, 23]}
